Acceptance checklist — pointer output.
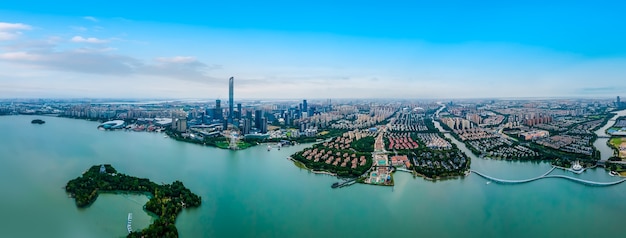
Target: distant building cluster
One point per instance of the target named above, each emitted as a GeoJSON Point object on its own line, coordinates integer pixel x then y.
{"type": "Point", "coordinates": [457, 123]}
{"type": "Point", "coordinates": [619, 103]}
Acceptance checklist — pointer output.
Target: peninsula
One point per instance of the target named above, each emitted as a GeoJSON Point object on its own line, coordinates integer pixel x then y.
{"type": "Point", "coordinates": [166, 201]}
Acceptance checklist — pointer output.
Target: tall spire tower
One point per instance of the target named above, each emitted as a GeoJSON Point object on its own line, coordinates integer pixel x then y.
{"type": "Point", "coordinates": [231, 101]}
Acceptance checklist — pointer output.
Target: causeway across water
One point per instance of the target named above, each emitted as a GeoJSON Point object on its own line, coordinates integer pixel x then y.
{"type": "Point", "coordinates": [547, 175]}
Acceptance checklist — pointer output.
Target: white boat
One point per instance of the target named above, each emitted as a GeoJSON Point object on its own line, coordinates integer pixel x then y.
{"type": "Point", "coordinates": [128, 225]}
{"type": "Point", "coordinates": [488, 182]}
{"type": "Point", "coordinates": [269, 147]}
{"type": "Point", "coordinates": [613, 173]}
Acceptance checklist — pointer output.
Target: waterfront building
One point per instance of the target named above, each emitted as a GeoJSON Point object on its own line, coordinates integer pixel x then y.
{"type": "Point", "coordinates": [179, 124]}
{"type": "Point", "coordinates": [231, 99]}
{"type": "Point", "coordinates": [305, 108]}
{"type": "Point", "coordinates": [115, 124]}
{"type": "Point", "coordinates": [310, 132]}
{"type": "Point", "coordinates": [263, 125]}
{"type": "Point", "coordinates": [246, 126]}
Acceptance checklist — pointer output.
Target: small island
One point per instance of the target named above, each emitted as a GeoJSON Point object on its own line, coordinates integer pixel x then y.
{"type": "Point", "coordinates": [38, 121]}
{"type": "Point", "coordinates": [166, 201]}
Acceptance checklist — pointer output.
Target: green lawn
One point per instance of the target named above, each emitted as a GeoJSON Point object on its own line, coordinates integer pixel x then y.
{"type": "Point", "coordinates": [243, 145]}
{"type": "Point", "coordinates": [222, 144]}
{"type": "Point", "coordinates": [616, 141]}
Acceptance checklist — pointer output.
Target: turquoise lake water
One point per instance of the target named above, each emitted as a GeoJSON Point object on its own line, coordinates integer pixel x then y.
{"type": "Point", "coordinates": [259, 193]}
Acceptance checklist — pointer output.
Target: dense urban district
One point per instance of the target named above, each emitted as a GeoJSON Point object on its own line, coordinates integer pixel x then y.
{"type": "Point", "coordinates": [368, 140]}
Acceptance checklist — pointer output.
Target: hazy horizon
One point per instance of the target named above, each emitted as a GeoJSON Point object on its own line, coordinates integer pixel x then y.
{"type": "Point", "coordinates": [327, 50]}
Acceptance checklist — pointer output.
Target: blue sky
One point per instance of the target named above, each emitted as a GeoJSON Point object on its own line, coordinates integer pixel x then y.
{"type": "Point", "coordinates": [321, 49]}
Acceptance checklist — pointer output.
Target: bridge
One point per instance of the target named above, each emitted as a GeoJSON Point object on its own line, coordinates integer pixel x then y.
{"type": "Point", "coordinates": [547, 175]}
{"type": "Point", "coordinates": [343, 184]}
{"type": "Point", "coordinates": [605, 137]}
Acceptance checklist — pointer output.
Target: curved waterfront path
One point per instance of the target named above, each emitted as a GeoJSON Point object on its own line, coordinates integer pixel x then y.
{"type": "Point", "coordinates": [547, 175]}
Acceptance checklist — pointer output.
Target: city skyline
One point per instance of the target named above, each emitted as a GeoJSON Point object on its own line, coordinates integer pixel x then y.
{"type": "Point", "coordinates": [327, 50]}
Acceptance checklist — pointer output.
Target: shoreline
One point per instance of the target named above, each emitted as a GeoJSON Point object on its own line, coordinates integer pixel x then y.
{"type": "Point", "coordinates": [441, 178]}
{"type": "Point", "coordinates": [311, 170]}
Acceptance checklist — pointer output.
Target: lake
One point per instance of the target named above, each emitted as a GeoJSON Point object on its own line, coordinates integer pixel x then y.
{"type": "Point", "coordinates": [259, 193]}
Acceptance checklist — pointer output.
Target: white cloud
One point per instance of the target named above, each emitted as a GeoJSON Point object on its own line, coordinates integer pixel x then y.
{"type": "Point", "coordinates": [19, 56]}
{"type": "Point", "coordinates": [94, 50]}
{"type": "Point", "coordinates": [80, 39]}
{"type": "Point", "coordinates": [4, 26]}
{"type": "Point", "coordinates": [10, 31]}
{"type": "Point", "coordinates": [176, 59]}
{"type": "Point", "coordinates": [90, 18]}
{"type": "Point", "coordinates": [101, 61]}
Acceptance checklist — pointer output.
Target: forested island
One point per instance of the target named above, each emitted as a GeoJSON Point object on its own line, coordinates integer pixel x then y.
{"type": "Point", "coordinates": [37, 121]}
{"type": "Point", "coordinates": [166, 201]}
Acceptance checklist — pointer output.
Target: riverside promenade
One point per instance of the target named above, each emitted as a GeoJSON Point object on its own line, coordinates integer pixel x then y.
{"type": "Point", "coordinates": [547, 175]}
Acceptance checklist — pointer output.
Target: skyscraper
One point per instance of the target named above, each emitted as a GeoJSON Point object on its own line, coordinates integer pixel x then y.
{"type": "Point", "coordinates": [217, 113]}
{"type": "Point", "coordinates": [263, 128]}
{"type": "Point", "coordinates": [247, 122]}
{"type": "Point", "coordinates": [258, 115]}
{"type": "Point", "coordinates": [305, 107]}
{"type": "Point", "coordinates": [239, 112]}
{"type": "Point", "coordinates": [231, 101]}
{"type": "Point", "coordinates": [618, 103]}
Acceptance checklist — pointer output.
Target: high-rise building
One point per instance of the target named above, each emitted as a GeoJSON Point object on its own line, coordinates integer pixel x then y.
{"type": "Point", "coordinates": [263, 125]}
{"type": "Point", "coordinates": [217, 114]}
{"type": "Point", "coordinates": [258, 115]}
{"type": "Point", "coordinates": [179, 124]}
{"type": "Point", "coordinates": [239, 111]}
{"type": "Point", "coordinates": [231, 102]}
{"type": "Point", "coordinates": [618, 103]}
{"type": "Point", "coordinates": [303, 126]}
{"type": "Point", "coordinates": [246, 125]}
{"type": "Point", "coordinates": [305, 107]}
{"type": "Point", "coordinates": [287, 117]}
